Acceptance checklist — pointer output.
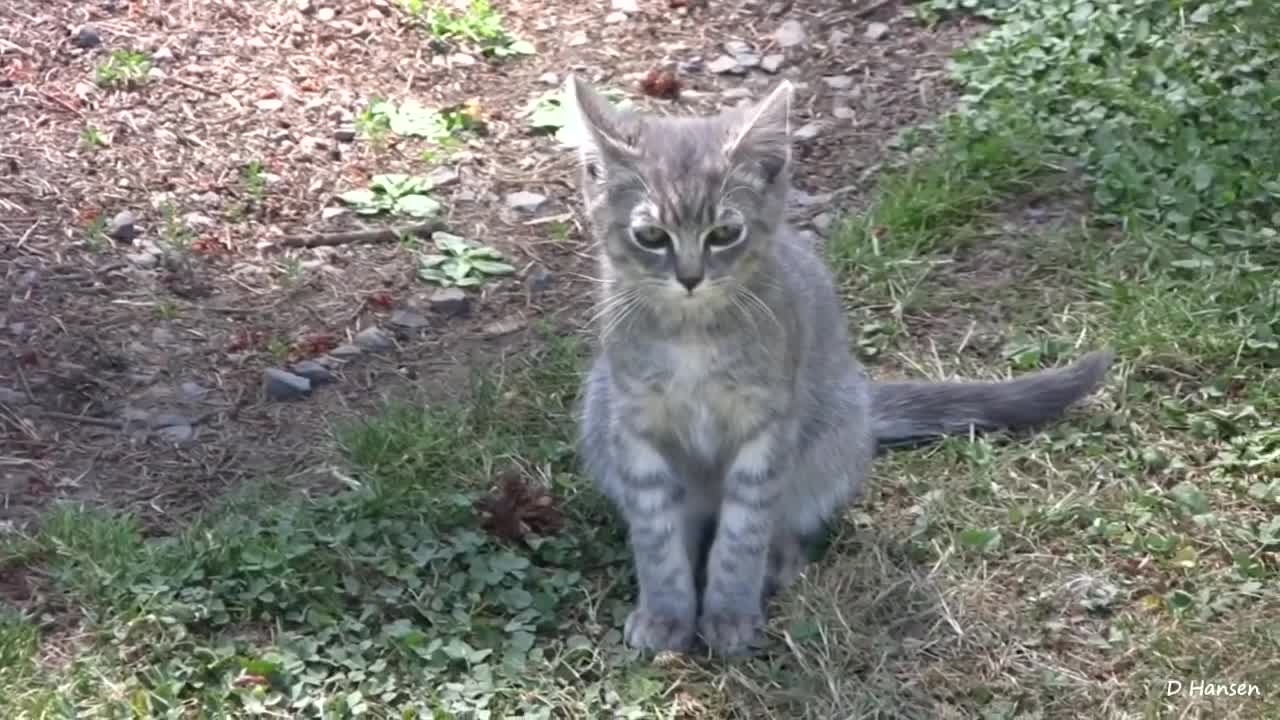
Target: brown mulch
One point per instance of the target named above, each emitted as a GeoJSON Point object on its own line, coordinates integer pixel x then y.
{"type": "Point", "coordinates": [94, 344]}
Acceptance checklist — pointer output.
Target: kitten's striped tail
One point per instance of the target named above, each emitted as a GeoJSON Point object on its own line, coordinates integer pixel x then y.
{"type": "Point", "coordinates": [911, 413]}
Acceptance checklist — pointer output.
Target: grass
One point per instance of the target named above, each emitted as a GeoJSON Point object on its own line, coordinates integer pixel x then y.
{"type": "Point", "coordinates": [1070, 572]}
{"type": "Point", "coordinates": [123, 69]}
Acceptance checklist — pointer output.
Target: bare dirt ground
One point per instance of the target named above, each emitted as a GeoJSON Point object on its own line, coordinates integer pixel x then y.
{"type": "Point", "coordinates": [131, 369]}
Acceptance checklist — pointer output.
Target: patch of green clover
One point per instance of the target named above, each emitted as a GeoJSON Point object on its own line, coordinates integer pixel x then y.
{"type": "Point", "coordinates": [123, 69]}
{"type": "Point", "coordinates": [479, 24]}
{"type": "Point", "coordinates": [395, 193]}
{"type": "Point", "coordinates": [461, 262]}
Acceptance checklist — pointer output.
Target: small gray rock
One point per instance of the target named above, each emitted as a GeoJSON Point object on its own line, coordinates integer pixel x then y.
{"type": "Point", "coordinates": [443, 176]}
{"type": "Point", "coordinates": [451, 302]}
{"type": "Point", "coordinates": [614, 18]}
{"type": "Point", "coordinates": [691, 66]}
{"type": "Point", "coordinates": [838, 82]}
{"type": "Point", "coordinates": [177, 434]}
{"type": "Point", "coordinates": [331, 213]}
{"type": "Point", "coordinates": [345, 351]}
{"type": "Point", "coordinates": [504, 327]}
{"type": "Point", "coordinates": [808, 131]}
{"type": "Point", "coordinates": [408, 319]}
{"type": "Point", "coordinates": [162, 55]}
{"type": "Point", "coordinates": [525, 201]}
{"type": "Point", "coordinates": [747, 60]}
{"type": "Point", "coordinates": [540, 281]}
{"type": "Point", "coordinates": [876, 31]}
{"type": "Point", "coordinates": [735, 47]}
{"type": "Point", "coordinates": [193, 390]}
{"type": "Point", "coordinates": [311, 370]}
{"type": "Point", "coordinates": [280, 385]}
{"type": "Point", "coordinates": [772, 63]}
{"type": "Point", "coordinates": [822, 222]}
{"type": "Point", "coordinates": [549, 78]}
{"type": "Point", "coordinates": [790, 34]}
{"type": "Point", "coordinates": [11, 397]}
{"type": "Point", "coordinates": [725, 65]}
{"type": "Point", "coordinates": [374, 339]}
{"type": "Point", "coordinates": [345, 134]}
{"type": "Point", "coordinates": [843, 112]}
{"type": "Point", "coordinates": [627, 6]}
{"type": "Point", "coordinates": [123, 226]}
{"type": "Point", "coordinates": [87, 36]}
{"type": "Point", "coordinates": [325, 14]}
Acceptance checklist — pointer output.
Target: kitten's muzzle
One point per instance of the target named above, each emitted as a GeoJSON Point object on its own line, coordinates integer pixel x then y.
{"type": "Point", "coordinates": [690, 280]}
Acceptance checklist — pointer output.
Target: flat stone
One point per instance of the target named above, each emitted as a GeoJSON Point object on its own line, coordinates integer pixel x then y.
{"type": "Point", "coordinates": [123, 226]}
{"type": "Point", "coordinates": [11, 397]}
{"type": "Point", "coordinates": [505, 326]}
{"type": "Point", "coordinates": [725, 65]}
{"type": "Point", "coordinates": [735, 47]}
{"type": "Point", "coordinates": [177, 434]}
{"type": "Point", "coordinates": [374, 339]}
{"type": "Point", "coordinates": [772, 63]}
{"type": "Point", "coordinates": [747, 60]}
{"type": "Point", "coordinates": [193, 390]}
{"type": "Point", "coordinates": [614, 18]}
{"type": "Point", "coordinates": [627, 6]}
{"type": "Point", "coordinates": [451, 302]}
{"type": "Point", "coordinates": [790, 34]}
{"type": "Point", "coordinates": [408, 319]}
{"type": "Point", "coordinates": [331, 213]}
{"type": "Point", "coordinates": [162, 55]}
{"type": "Point", "coordinates": [808, 131]}
{"type": "Point", "coordinates": [313, 371]}
{"type": "Point", "coordinates": [549, 78]}
{"type": "Point", "coordinates": [325, 14]}
{"type": "Point", "coordinates": [87, 36]}
{"type": "Point", "coordinates": [280, 385]}
{"type": "Point", "coordinates": [443, 176]}
{"type": "Point", "coordinates": [822, 222]}
{"type": "Point", "coordinates": [462, 59]}
{"type": "Point", "coordinates": [876, 31]}
{"type": "Point", "coordinates": [525, 201]}
{"type": "Point", "coordinates": [270, 104]}
{"type": "Point", "coordinates": [345, 134]}
{"type": "Point", "coordinates": [345, 351]}
{"type": "Point", "coordinates": [842, 112]}
{"type": "Point", "coordinates": [838, 82]}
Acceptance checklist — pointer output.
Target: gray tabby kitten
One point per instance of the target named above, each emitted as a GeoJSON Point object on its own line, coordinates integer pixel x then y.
{"type": "Point", "coordinates": [724, 415]}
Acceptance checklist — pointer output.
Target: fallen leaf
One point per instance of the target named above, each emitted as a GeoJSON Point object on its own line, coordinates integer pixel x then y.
{"type": "Point", "coordinates": [661, 84]}
{"type": "Point", "coordinates": [519, 509]}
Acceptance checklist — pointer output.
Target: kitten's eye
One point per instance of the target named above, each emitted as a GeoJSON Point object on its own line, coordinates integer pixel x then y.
{"type": "Point", "coordinates": [651, 237]}
{"type": "Point", "coordinates": [722, 236]}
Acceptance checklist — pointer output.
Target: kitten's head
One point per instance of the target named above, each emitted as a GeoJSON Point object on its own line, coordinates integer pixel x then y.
{"type": "Point", "coordinates": [685, 208]}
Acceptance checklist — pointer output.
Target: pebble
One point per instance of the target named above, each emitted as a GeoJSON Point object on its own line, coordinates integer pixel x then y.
{"type": "Point", "coordinates": [443, 176]}
{"type": "Point", "coordinates": [549, 78]}
{"type": "Point", "coordinates": [374, 339]}
{"type": "Point", "coordinates": [177, 434]}
{"type": "Point", "coordinates": [614, 18]}
{"type": "Point", "coordinates": [11, 397]}
{"type": "Point", "coordinates": [462, 59]}
{"type": "Point", "coordinates": [691, 66]}
{"type": "Point", "coordinates": [409, 319]}
{"type": "Point", "coordinates": [87, 36]}
{"type": "Point", "coordinates": [451, 302]}
{"type": "Point", "coordinates": [808, 131]}
{"type": "Point", "coordinates": [162, 55]}
{"type": "Point", "coordinates": [123, 226]}
{"type": "Point", "coordinates": [345, 351]}
{"type": "Point", "coordinates": [790, 34]}
{"type": "Point", "coordinates": [504, 327]}
{"type": "Point", "coordinates": [725, 65]}
{"type": "Point", "coordinates": [313, 371]}
{"type": "Point", "coordinates": [280, 385]}
{"type": "Point", "coordinates": [838, 82]}
{"type": "Point", "coordinates": [627, 6]}
{"type": "Point", "coordinates": [193, 390]}
{"type": "Point", "coordinates": [325, 14]}
{"type": "Point", "coordinates": [747, 60]}
{"type": "Point", "coordinates": [772, 63]}
{"type": "Point", "coordinates": [842, 112]}
{"type": "Point", "coordinates": [330, 213]}
{"type": "Point", "coordinates": [145, 260]}
{"type": "Point", "coordinates": [270, 104]}
{"type": "Point", "coordinates": [345, 134]}
{"type": "Point", "coordinates": [525, 201]}
{"type": "Point", "coordinates": [822, 222]}
{"type": "Point", "coordinates": [876, 31]}
{"type": "Point", "coordinates": [540, 281]}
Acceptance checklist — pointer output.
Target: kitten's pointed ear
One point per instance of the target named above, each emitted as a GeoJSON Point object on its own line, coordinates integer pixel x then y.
{"type": "Point", "coordinates": [605, 135]}
{"type": "Point", "coordinates": [763, 132]}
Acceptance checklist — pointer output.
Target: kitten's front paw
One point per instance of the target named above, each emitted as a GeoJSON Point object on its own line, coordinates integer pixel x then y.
{"type": "Point", "coordinates": [731, 632]}
{"type": "Point", "coordinates": [656, 631]}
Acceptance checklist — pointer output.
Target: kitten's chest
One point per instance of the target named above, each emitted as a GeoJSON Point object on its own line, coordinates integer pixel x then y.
{"type": "Point", "coordinates": [700, 396]}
